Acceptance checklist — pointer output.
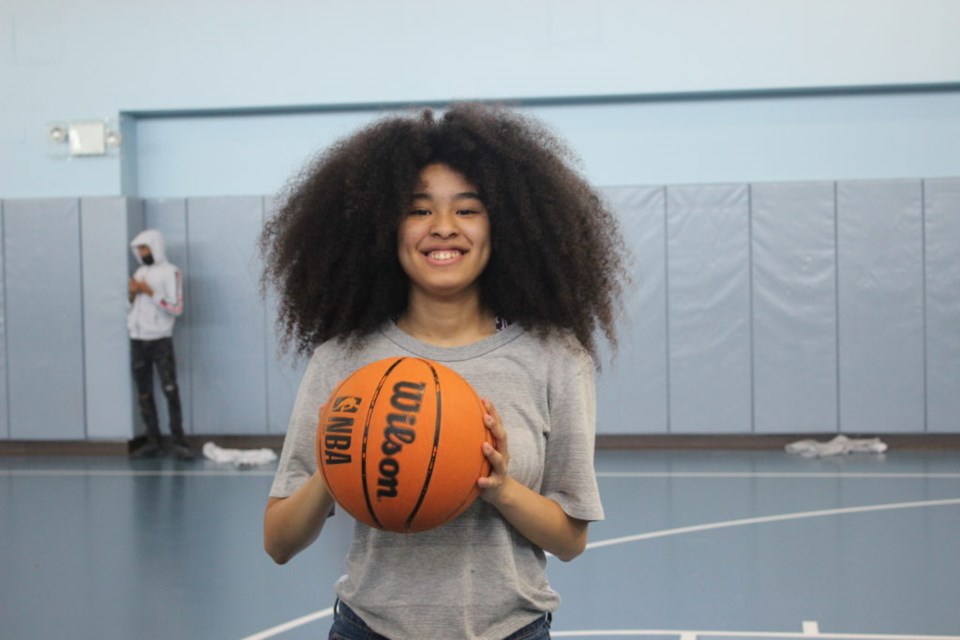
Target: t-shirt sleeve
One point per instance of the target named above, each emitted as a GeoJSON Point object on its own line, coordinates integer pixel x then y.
{"type": "Point", "coordinates": [298, 458]}
{"type": "Point", "coordinates": [569, 477]}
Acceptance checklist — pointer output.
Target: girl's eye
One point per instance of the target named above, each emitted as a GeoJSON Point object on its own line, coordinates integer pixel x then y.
{"type": "Point", "coordinates": [419, 212]}
{"type": "Point", "coordinates": [467, 212]}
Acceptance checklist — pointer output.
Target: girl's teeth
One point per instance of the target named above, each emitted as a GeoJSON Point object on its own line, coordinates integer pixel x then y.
{"type": "Point", "coordinates": [444, 255]}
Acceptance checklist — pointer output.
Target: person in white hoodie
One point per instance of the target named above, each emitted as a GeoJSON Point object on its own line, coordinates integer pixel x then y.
{"type": "Point", "coordinates": [155, 293]}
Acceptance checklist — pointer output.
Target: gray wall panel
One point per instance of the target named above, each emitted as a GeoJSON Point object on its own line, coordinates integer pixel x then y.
{"type": "Point", "coordinates": [105, 225]}
{"type": "Point", "coordinates": [880, 294]}
{"type": "Point", "coordinates": [44, 319]}
{"type": "Point", "coordinates": [228, 317]}
{"type": "Point", "coordinates": [794, 308]}
{"type": "Point", "coordinates": [632, 389]}
{"type": "Point", "coordinates": [169, 215]}
{"type": "Point", "coordinates": [942, 219]}
{"type": "Point", "coordinates": [4, 407]}
{"type": "Point", "coordinates": [708, 301]}
{"type": "Point", "coordinates": [776, 308]}
{"type": "Point", "coordinates": [283, 371]}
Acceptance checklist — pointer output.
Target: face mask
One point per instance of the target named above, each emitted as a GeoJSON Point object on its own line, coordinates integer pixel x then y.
{"type": "Point", "coordinates": [147, 259]}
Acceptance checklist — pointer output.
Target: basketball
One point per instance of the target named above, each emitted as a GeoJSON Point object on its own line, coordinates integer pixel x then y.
{"type": "Point", "coordinates": [399, 444]}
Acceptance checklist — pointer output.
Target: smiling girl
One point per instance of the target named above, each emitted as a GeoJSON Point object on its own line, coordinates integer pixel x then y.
{"type": "Point", "coordinates": [470, 240]}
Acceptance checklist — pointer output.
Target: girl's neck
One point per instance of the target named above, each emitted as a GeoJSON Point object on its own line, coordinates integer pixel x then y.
{"type": "Point", "coordinates": [447, 324]}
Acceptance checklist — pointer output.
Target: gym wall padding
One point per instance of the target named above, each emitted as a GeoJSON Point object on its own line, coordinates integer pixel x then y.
{"type": "Point", "coordinates": [44, 319]}
{"type": "Point", "coordinates": [283, 373]}
{"type": "Point", "coordinates": [708, 306]}
{"type": "Point", "coordinates": [4, 410]}
{"type": "Point", "coordinates": [170, 217]}
{"type": "Point", "coordinates": [942, 260]}
{"type": "Point", "coordinates": [228, 320]}
{"type": "Point", "coordinates": [178, 219]}
{"type": "Point", "coordinates": [632, 389]}
{"type": "Point", "coordinates": [805, 307]}
{"type": "Point", "coordinates": [880, 305]}
{"type": "Point", "coordinates": [794, 308]}
{"type": "Point", "coordinates": [105, 225]}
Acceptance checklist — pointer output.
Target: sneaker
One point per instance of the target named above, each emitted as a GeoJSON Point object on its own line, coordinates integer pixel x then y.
{"type": "Point", "coordinates": [183, 451]}
{"type": "Point", "coordinates": [149, 450]}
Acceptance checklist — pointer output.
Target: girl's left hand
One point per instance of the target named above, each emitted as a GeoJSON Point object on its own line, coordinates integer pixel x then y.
{"type": "Point", "coordinates": [497, 454]}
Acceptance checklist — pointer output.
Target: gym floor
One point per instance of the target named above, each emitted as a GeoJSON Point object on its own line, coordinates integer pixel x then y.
{"type": "Point", "coordinates": [696, 544]}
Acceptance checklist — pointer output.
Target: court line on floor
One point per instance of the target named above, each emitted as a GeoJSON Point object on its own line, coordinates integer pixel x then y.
{"type": "Point", "coordinates": [107, 473]}
{"type": "Point", "coordinates": [734, 635]}
{"type": "Point", "coordinates": [783, 517]}
{"type": "Point", "coordinates": [269, 633]}
{"type": "Point", "coordinates": [774, 474]}
{"type": "Point", "coordinates": [680, 634]}
{"type": "Point", "coordinates": [293, 624]}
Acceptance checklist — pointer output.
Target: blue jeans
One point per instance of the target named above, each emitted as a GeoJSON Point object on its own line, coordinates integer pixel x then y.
{"type": "Point", "coordinates": [347, 625]}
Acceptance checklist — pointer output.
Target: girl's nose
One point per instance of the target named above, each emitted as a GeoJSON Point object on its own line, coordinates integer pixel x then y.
{"type": "Point", "coordinates": [444, 225]}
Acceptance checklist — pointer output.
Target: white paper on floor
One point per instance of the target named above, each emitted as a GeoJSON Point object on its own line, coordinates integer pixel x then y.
{"type": "Point", "coordinates": [239, 457]}
{"type": "Point", "coordinates": [840, 445]}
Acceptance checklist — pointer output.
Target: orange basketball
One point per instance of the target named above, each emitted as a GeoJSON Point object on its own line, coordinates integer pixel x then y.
{"type": "Point", "coordinates": [399, 444]}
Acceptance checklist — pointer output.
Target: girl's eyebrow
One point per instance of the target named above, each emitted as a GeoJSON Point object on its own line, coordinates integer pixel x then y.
{"type": "Point", "coordinates": [466, 195]}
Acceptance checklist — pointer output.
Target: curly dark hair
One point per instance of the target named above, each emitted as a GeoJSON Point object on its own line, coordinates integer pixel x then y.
{"type": "Point", "coordinates": [331, 249]}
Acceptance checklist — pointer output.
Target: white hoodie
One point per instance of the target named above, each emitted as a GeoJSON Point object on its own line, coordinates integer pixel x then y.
{"type": "Point", "coordinates": [153, 317]}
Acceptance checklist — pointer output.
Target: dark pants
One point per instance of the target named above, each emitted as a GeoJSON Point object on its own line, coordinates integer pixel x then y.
{"type": "Point", "coordinates": [145, 354]}
{"type": "Point", "coordinates": [347, 625]}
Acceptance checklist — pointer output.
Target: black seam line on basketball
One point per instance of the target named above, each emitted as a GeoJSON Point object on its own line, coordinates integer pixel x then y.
{"type": "Point", "coordinates": [433, 451]}
{"type": "Point", "coordinates": [366, 437]}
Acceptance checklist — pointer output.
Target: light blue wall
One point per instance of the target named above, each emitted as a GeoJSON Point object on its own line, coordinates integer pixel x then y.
{"type": "Point", "coordinates": [758, 105]}
{"type": "Point", "coordinates": [105, 59]}
{"type": "Point", "coordinates": [745, 139]}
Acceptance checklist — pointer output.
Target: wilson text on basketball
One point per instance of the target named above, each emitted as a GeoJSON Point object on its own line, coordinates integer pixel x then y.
{"type": "Point", "coordinates": [407, 399]}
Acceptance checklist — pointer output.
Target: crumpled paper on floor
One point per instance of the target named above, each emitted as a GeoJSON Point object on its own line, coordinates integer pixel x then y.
{"type": "Point", "coordinates": [840, 445]}
{"type": "Point", "coordinates": [238, 457]}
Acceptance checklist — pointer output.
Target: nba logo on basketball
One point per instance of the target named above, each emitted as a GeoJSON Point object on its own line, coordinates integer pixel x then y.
{"type": "Point", "coordinates": [346, 404]}
{"type": "Point", "coordinates": [339, 432]}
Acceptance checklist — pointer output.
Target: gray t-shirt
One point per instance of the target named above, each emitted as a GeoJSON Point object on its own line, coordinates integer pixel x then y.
{"type": "Point", "coordinates": [474, 577]}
